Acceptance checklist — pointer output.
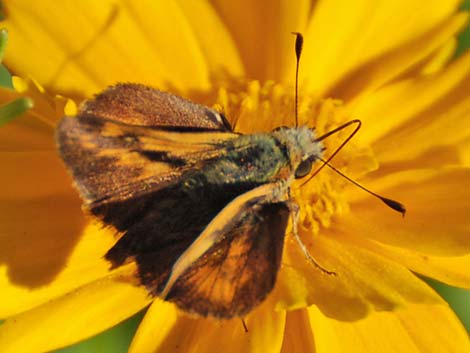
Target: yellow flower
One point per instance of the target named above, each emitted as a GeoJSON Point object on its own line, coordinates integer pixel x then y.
{"type": "Point", "coordinates": [385, 62]}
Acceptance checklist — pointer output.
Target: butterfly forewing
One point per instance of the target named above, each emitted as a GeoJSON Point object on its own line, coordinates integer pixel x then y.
{"type": "Point", "coordinates": [136, 104]}
{"type": "Point", "coordinates": [111, 160]}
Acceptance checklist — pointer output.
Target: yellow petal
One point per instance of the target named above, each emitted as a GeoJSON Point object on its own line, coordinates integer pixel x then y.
{"type": "Point", "coordinates": [436, 222]}
{"type": "Point", "coordinates": [26, 133]}
{"type": "Point", "coordinates": [413, 329]}
{"type": "Point", "coordinates": [48, 258]}
{"type": "Point", "coordinates": [88, 45]}
{"type": "Point", "coordinates": [353, 46]}
{"type": "Point", "coordinates": [298, 334]}
{"type": "Point", "coordinates": [220, 50]}
{"type": "Point", "coordinates": [451, 270]}
{"type": "Point", "coordinates": [46, 247]}
{"type": "Point", "coordinates": [262, 31]}
{"type": "Point", "coordinates": [465, 153]}
{"type": "Point", "coordinates": [164, 330]}
{"type": "Point", "coordinates": [168, 33]}
{"type": "Point", "coordinates": [70, 318]}
{"type": "Point", "coordinates": [384, 69]}
{"type": "Point", "coordinates": [447, 127]}
{"type": "Point", "coordinates": [40, 212]}
{"type": "Point", "coordinates": [388, 111]}
{"type": "Point", "coordinates": [363, 280]}
{"type": "Point", "coordinates": [441, 58]}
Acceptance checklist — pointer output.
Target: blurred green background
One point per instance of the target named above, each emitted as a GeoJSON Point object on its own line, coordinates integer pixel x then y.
{"type": "Point", "coordinates": [117, 339]}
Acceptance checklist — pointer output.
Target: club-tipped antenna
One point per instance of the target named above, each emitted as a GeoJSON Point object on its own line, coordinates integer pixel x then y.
{"type": "Point", "coordinates": [394, 205]}
{"type": "Point", "coordinates": [329, 133]}
{"type": "Point", "coordinates": [299, 42]}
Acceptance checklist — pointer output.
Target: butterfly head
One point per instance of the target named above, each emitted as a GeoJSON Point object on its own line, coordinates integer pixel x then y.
{"type": "Point", "coordinates": [302, 146]}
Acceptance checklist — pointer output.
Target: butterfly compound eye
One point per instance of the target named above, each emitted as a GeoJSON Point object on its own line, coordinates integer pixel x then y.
{"type": "Point", "coordinates": [303, 169]}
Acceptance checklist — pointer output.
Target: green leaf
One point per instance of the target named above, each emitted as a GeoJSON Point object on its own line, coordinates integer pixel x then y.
{"type": "Point", "coordinates": [5, 77]}
{"type": "Point", "coordinates": [3, 42]}
{"type": "Point", "coordinates": [458, 299]}
{"type": "Point", "coordinates": [464, 36]}
{"type": "Point", "coordinates": [14, 109]}
{"type": "Point", "coordinates": [115, 340]}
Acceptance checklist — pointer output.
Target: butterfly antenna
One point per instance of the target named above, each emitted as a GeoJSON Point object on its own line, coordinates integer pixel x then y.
{"type": "Point", "coordinates": [394, 205]}
{"type": "Point", "coordinates": [299, 42]}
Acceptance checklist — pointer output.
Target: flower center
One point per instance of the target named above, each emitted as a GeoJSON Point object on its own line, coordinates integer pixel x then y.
{"type": "Point", "coordinates": [252, 107]}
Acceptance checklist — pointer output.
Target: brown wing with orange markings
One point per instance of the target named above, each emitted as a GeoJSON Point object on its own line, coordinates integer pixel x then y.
{"type": "Point", "coordinates": [131, 137]}
{"type": "Point", "coordinates": [113, 161]}
{"type": "Point", "coordinates": [239, 269]}
{"type": "Point", "coordinates": [136, 104]}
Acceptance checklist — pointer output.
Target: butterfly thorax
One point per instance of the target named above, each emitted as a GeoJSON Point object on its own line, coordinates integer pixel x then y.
{"type": "Point", "coordinates": [252, 160]}
{"type": "Point", "coordinates": [248, 160]}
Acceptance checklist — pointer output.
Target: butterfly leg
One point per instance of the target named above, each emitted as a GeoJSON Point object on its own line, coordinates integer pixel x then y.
{"type": "Point", "coordinates": [295, 212]}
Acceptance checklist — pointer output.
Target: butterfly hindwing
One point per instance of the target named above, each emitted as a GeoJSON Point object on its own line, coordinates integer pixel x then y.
{"type": "Point", "coordinates": [233, 265]}
{"type": "Point", "coordinates": [159, 225]}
